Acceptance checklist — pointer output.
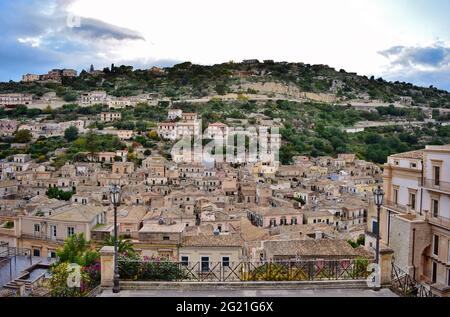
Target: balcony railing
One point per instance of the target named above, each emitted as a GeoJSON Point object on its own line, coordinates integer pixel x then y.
{"type": "Point", "coordinates": [404, 285]}
{"type": "Point", "coordinates": [439, 220]}
{"type": "Point", "coordinates": [397, 207]}
{"type": "Point", "coordinates": [42, 238]}
{"type": "Point", "coordinates": [436, 185]}
{"type": "Point", "coordinates": [355, 269]}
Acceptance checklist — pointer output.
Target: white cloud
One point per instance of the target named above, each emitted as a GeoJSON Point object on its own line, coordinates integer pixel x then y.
{"type": "Point", "coordinates": [343, 33]}
{"type": "Point", "coordinates": [32, 41]}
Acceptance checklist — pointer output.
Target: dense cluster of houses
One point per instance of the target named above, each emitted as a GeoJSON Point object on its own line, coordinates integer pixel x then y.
{"type": "Point", "coordinates": [191, 211]}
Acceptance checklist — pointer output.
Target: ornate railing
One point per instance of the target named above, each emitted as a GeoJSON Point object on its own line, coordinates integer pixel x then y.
{"type": "Point", "coordinates": [355, 269]}
{"type": "Point", "coordinates": [396, 207]}
{"type": "Point", "coordinates": [404, 285]}
{"type": "Point", "coordinates": [10, 252]}
{"type": "Point", "coordinates": [42, 237]}
{"type": "Point", "coordinates": [436, 185]}
{"type": "Point", "coordinates": [438, 220]}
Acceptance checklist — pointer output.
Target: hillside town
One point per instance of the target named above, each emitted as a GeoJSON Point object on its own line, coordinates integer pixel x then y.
{"type": "Point", "coordinates": [60, 164]}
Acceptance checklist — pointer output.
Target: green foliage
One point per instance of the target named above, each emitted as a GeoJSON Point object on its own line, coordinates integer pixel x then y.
{"type": "Point", "coordinates": [63, 272]}
{"type": "Point", "coordinates": [77, 249]}
{"type": "Point", "coordinates": [270, 272]}
{"type": "Point", "coordinates": [23, 136]}
{"type": "Point", "coordinates": [58, 282]}
{"type": "Point", "coordinates": [9, 225]}
{"type": "Point", "coordinates": [124, 246]}
{"type": "Point", "coordinates": [359, 242]}
{"type": "Point", "coordinates": [71, 133]}
{"type": "Point", "coordinates": [132, 267]}
{"type": "Point", "coordinates": [55, 193]}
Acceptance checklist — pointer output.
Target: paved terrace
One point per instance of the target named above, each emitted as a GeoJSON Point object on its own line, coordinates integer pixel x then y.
{"type": "Point", "coordinates": [10, 269]}
{"type": "Point", "coordinates": [248, 289]}
{"type": "Point", "coordinates": [276, 293]}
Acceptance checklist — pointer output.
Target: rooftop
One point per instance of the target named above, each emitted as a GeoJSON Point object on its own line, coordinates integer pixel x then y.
{"type": "Point", "coordinates": [230, 240]}
{"type": "Point", "coordinates": [311, 248]}
{"type": "Point", "coordinates": [410, 155]}
{"type": "Point", "coordinates": [157, 228]}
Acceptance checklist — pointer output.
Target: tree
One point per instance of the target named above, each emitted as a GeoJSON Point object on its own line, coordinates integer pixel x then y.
{"type": "Point", "coordinates": [148, 152]}
{"type": "Point", "coordinates": [55, 193]}
{"type": "Point", "coordinates": [58, 282]}
{"type": "Point", "coordinates": [91, 142]}
{"type": "Point", "coordinates": [47, 110]}
{"type": "Point", "coordinates": [23, 136]}
{"type": "Point", "coordinates": [141, 126]}
{"type": "Point", "coordinates": [221, 88]}
{"type": "Point", "coordinates": [153, 135]}
{"type": "Point", "coordinates": [77, 249]}
{"type": "Point", "coordinates": [70, 96]}
{"type": "Point", "coordinates": [71, 133]}
{"type": "Point", "coordinates": [124, 246]}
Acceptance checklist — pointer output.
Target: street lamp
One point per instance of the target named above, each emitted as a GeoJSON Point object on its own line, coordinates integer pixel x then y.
{"type": "Point", "coordinates": [378, 195]}
{"type": "Point", "coordinates": [115, 200]}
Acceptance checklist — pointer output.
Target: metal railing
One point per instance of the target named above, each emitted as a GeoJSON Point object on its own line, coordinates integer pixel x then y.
{"type": "Point", "coordinates": [326, 270]}
{"type": "Point", "coordinates": [436, 185]}
{"type": "Point", "coordinates": [397, 207]}
{"type": "Point", "coordinates": [438, 220]}
{"type": "Point", "coordinates": [404, 285]}
{"type": "Point", "coordinates": [10, 252]}
{"type": "Point", "coordinates": [42, 238]}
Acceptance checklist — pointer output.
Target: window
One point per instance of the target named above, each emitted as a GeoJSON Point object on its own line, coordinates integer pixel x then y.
{"type": "Point", "coordinates": [375, 227]}
{"type": "Point", "coordinates": [436, 245]}
{"type": "Point", "coordinates": [53, 231]}
{"type": "Point", "coordinates": [434, 273]}
{"type": "Point", "coordinates": [435, 208]}
{"type": "Point", "coordinates": [52, 254]}
{"type": "Point", "coordinates": [412, 201]}
{"type": "Point", "coordinates": [437, 175]}
{"type": "Point", "coordinates": [273, 222]}
{"type": "Point", "coordinates": [395, 196]}
{"type": "Point", "coordinates": [36, 252]}
{"type": "Point", "coordinates": [166, 238]}
{"type": "Point", "coordinates": [205, 264]}
{"type": "Point", "coordinates": [37, 228]}
{"type": "Point", "coordinates": [294, 221]}
{"type": "Point", "coordinates": [413, 165]}
{"type": "Point", "coordinates": [184, 260]}
{"type": "Point", "coordinates": [448, 277]}
{"type": "Point", "coordinates": [448, 254]}
{"type": "Point", "coordinates": [226, 261]}
{"type": "Point", "coordinates": [70, 231]}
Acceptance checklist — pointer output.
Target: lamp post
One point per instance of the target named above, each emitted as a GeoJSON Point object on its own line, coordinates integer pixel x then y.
{"type": "Point", "coordinates": [115, 200]}
{"type": "Point", "coordinates": [378, 195]}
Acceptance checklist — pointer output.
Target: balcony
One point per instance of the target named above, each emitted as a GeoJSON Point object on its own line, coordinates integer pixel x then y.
{"type": "Point", "coordinates": [41, 237]}
{"type": "Point", "coordinates": [397, 207]}
{"type": "Point", "coordinates": [433, 184]}
{"type": "Point", "coordinates": [439, 221]}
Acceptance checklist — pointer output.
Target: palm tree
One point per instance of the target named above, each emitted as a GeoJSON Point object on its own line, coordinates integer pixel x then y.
{"type": "Point", "coordinates": [124, 246]}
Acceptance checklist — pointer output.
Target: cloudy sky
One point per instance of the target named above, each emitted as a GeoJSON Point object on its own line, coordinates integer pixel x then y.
{"type": "Point", "coordinates": [407, 40]}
